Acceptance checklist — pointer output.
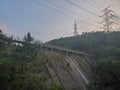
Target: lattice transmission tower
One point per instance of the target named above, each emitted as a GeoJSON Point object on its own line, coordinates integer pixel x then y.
{"type": "Point", "coordinates": [75, 33]}
{"type": "Point", "coordinates": [107, 21]}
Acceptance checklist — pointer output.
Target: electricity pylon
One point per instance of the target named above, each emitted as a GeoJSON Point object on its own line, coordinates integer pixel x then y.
{"type": "Point", "coordinates": [75, 33]}
{"type": "Point", "coordinates": [107, 19]}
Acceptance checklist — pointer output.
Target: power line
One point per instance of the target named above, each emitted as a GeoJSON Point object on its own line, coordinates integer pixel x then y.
{"type": "Point", "coordinates": [64, 8]}
{"type": "Point", "coordinates": [93, 5]}
{"type": "Point", "coordinates": [86, 10]}
{"type": "Point", "coordinates": [53, 9]}
{"type": "Point", "coordinates": [58, 11]}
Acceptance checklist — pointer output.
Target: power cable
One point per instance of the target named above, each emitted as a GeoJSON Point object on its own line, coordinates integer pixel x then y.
{"type": "Point", "coordinates": [55, 10]}
{"type": "Point", "coordinates": [88, 23]}
{"type": "Point", "coordinates": [92, 5]}
{"type": "Point", "coordinates": [86, 10]}
{"type": "Point", "coordinates": [64, 8]}
{"type": "Point", "coordinates": [58, 11]}
{"type": "Point", "coordinates": [96, 3]}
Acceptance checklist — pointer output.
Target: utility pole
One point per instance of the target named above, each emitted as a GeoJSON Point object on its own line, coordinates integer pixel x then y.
{"type": "Point", "coordinates": [107, 19]}
{"type": "Point", "coordinates": [75, 30]}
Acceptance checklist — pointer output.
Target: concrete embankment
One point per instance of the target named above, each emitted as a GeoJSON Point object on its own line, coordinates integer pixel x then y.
{"type": "Point", "coordinates": [71, 72]}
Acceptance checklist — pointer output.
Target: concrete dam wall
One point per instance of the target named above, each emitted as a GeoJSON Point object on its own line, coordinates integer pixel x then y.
{"type": "Point", "coordinates": [72, 72]}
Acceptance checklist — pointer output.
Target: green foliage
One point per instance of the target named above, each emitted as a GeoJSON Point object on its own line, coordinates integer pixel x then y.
{"type": "Point", "coordinates": [106, 48]}
{"type": "Point", "coordinates": [107, 75]}
{"type": "Point", "coordinates": [56, 86]}
{"type": "Point", "coordinates": [22, 69]}
{"type": "Point", "coordinates": [101, 44]}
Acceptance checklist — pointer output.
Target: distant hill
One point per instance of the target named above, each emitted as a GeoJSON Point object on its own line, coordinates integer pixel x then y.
{"type": "Point", "coordinates": [101, 44]}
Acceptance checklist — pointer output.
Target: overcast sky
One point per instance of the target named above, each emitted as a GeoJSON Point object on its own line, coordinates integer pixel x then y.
{"type": "Point", "coordinates": [50, 20]}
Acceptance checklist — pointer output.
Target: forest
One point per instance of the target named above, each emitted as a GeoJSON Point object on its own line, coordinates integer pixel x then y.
{"type": "Point", "coordinates": [100, 44]}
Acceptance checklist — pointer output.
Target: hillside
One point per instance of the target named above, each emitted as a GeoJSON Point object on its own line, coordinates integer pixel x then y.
{"type": "Point", "coordinates": [101, 44]}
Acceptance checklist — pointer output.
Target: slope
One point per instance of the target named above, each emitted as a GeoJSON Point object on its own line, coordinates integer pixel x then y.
{"type": "Point", "coordinates": [101, 44]}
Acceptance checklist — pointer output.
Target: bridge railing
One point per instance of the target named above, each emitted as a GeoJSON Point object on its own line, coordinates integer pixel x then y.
{"type": "Point", "coordinates": [20, 40]}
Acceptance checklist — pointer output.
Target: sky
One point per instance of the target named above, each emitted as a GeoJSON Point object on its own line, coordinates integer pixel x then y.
{"type": "Point", "coordinates": [52, 19]}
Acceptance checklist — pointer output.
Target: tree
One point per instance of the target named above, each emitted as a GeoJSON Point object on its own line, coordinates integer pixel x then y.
{"type": "Point", "coordinates": [107, 76]}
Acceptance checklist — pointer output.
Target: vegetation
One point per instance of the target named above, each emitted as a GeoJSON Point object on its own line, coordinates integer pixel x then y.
{"type": "Point", "coordinates": [101, 44]}
{"type": "Point", "coordinates": [107, 76]}
{"type": "Point", "coordinates": [106, 47]}
{"type": "Point", "coordinates": [22, 66]}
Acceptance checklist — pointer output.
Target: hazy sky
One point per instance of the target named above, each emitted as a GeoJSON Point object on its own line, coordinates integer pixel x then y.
{"type": "Point", "coordinates": [49, 20]}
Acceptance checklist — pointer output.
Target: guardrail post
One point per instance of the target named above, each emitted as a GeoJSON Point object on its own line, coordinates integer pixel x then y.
{"type": "Point", "coordinates": [66, 53]}
{"type": "Point", "coordinates": [59, 51]}
{"type": "Point", "coordinates": [51, 48]}
{"type": "Point", "coordinates": [41, 46]}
